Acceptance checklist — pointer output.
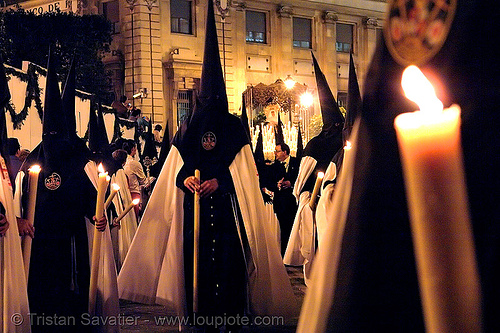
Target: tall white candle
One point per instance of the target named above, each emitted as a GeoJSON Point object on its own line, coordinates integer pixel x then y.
{"type": "Point", "coordinates": [430, 148]}
{"type": "Point", "coordinates": [128, 209]}
{"type": "Point", "coordinates": [102, 184]}
{"type": "Point", "coordinates": [114, 189]}
{"type": "Point", "coordinates": [34, 172]}
{"type": "Point", "coordinates": [317, 186]}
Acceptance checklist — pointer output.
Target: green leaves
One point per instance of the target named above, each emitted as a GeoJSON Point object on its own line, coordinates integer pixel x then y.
{"type": "Point", "coordinates": [25, 36]}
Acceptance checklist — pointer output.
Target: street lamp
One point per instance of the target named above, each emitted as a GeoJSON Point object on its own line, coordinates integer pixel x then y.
{"type": "Point", "coordinates": [306, 99]}
{"type": "Point", "coordinates": [289, 82]}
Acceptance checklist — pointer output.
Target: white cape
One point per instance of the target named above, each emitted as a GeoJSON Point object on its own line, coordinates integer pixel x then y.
{"type": "Point", "coordinates": [319, 297]}
{"type": "Point", "coordinates": [273, 222]}
{"type": "Point", "coordinates": [107, 305]}
{"type": "Point", "coordinates": [325, 201]}
{"type": "Point", "coordinates": [13, 289]}
{"type": "Point", "coordinates": [301, 244]}
{"type": "Point", "coordinates": [153, 269]}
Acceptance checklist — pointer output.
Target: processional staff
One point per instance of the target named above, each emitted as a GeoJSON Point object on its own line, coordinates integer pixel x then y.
{"type": "Point", "coordinates": [196, 247]}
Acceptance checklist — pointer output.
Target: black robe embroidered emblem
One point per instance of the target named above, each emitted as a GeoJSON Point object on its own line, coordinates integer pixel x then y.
{"type": "Point", "coordinates": [53, 181]}
{"type": "Point", "coordinates": [208, 141]}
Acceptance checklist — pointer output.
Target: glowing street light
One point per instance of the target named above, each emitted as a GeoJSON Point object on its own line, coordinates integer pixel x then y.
{"type": "Point", "coordinates": [306, 99]}
{"type": "Point", "coordinates": [289, 82]}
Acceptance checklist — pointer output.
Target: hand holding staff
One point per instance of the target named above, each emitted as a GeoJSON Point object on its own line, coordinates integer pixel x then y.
{"type": "Point", "coordinates": [196, 242]}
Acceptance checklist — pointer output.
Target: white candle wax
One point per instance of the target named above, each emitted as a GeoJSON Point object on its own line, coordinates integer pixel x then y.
{"type": "Point", "coordinates": [128, 209]}
{"type": "Point", "coordinates": [431, 155]}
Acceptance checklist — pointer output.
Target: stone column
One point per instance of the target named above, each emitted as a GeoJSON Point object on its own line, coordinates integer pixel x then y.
{"type": "Point", "coordinates": [329, 53]}
{"type": "Point", "coordinates": [284, 34]}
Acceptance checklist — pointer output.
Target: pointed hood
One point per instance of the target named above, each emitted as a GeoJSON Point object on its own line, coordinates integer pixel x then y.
{"type": "Point", "coordinates": [259, 149]}
{"type": "Point", "coordinates": [68, 101]}
{"type": "Point", "coordinates": [55, 144]}
{"type": "Point", "coordinates": [55, 153]}
{"type": "Point", "coordinates": [323, 147]}
{"type": "Point", "coordinates": [212, 79]}
{"type": "Point", "coordinates": [101, 128]}
{"type": "Point", "coordinates": [53, 115]}
{"type": "Point", "coordinates": [212, 133]}
{"type": "Point", "coordinates": [165, 146]}
{"type": "Point", "coordinates": [333, 120]}
{"type": "Point", "coordinates": [300, 144]}
{"type": "Point", "coordinates": [244, 117]}
{"type": "Point", "coordinates": [354, 102]}
{"type": "Point", "coordinates": [98, 139]}
{"type": "Point", "coordinates": [377, 256]}
{"type": "Point", "coordinates": [164, 150]}
{"type": "Point", "coordinates": [92, 130]}
{"type": "Point", "coordinates": [68, 104]}
{"type": "Point", "coordinates": [278, 131]}
{"type": "Point", "coordinates": [149, 145]}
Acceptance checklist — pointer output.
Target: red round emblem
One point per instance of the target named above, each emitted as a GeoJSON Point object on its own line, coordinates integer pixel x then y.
{"type": "Point", "coordinates": [417, 29]}
{"type": "Point", "coordinates": [53, 181]}
{"type": "Point", "coordinates": [208, 141]}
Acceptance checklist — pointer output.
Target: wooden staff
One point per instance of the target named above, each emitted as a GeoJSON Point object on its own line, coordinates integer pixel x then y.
{"type": "Point", "coordinates": [196, 246]}
{"type": "Point", "coordinates": [34, 171]}
{"type": "Point", "coordinates": [5, 175]}
{"type": "Point", "coordinates": [102, 185]}
{"type": "Point", "coordinates": [1, 274]}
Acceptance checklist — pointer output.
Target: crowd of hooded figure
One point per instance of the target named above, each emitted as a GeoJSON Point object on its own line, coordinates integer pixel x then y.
{"type": "Point", "coordinates": [205, 246]}
{"type": "Point", "coordinates": [240, 267]}
{"type": "Point", "coordinates": [71, 281]}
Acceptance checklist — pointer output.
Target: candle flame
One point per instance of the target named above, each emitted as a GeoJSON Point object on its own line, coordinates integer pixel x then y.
{"type": "Point", "coordinates": [115, 187]}
{"type": "Point", "coordinates": [321, 175]}
{"type": "Point", "coordinates": [108, 178]}
{"type": "Point", "coordinates": [135, 201]}
{"type": "Point", "coordinates": [418, 89]}
{"type": "Point", "coordinates": [35, 168]}
{"type": "Point", "coordinates": [100, 168]}
{"type": "Point", "coordinates": [348, 145]}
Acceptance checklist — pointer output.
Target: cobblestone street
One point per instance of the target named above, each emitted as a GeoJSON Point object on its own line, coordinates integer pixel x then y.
{"type": "Point", "coordinates": [152, 318]}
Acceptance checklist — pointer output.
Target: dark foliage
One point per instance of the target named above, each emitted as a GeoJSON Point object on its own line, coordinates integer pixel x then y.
{"type": "Point", "coordinates": [25, 36]}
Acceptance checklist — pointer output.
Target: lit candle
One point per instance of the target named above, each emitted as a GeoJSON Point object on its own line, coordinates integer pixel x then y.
{"type": "Point", "coordinates": [347, 154]}
{"type": "Point", "coordinates": [114, 189]}
{"type": "Point", "coordinates": [317, 186]}
{"type": "Point", "coordinates": [34, 172]}
{"type": "Point", "coordinates": [430, 148]}
{"type": "Point", "coordinates": [102, 184]}
{"type": "Point", "coordinates": [125, 212]}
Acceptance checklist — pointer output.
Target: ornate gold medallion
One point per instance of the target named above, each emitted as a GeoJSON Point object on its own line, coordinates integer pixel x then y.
{"type": "Point", "coordinates": [53, 181]}
{"type": "Point", "coordinates": [417, 29]}
{"type": "Point", "coordinates": [208, 141]}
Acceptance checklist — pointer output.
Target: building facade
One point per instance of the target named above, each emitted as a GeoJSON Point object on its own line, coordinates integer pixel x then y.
{"type": "Point", "coordinates": [157, 47]}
